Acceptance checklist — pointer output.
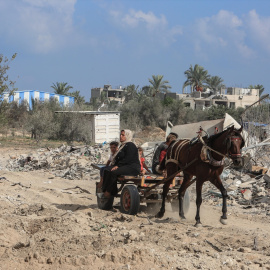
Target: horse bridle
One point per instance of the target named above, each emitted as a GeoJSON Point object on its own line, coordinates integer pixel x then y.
{"type": "Point", "coordinates": [235, 138]}
{"type": "Point", "coordinates": [232, 138]}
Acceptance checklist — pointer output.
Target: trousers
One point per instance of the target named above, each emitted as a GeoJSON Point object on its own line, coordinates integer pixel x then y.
{"type": "Point", "coordinates": [110, 177]}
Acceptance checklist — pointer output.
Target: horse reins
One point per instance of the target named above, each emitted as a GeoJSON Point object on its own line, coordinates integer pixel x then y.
{"type": "Point", "coordinates": [211, 149]}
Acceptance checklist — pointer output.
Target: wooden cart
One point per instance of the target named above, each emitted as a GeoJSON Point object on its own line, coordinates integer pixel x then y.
{"type": "Point", "coordinates": [134, 190]}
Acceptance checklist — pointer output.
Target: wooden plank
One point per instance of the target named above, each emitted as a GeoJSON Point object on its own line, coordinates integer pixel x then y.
{"type": "Point", "coordinates": [142, 180]}
{"type": "Point", "coordinates": [173, 182]}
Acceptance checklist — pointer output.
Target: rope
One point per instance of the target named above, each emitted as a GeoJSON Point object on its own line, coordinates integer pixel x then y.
{"type": "Point", "coordinates": [204, 144]}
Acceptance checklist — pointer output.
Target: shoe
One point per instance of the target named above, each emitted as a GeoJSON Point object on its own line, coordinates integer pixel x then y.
{"type": "Point", "coordinates": [100, 195]}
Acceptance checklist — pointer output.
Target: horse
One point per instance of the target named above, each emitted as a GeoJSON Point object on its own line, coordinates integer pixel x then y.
{"type": "Point", "coordinates": [203, 159]}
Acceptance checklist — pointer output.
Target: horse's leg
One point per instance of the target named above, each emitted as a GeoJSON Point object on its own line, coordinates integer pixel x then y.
{"type": "Point", "coordinates": [171, 169]}
{"type": "Point", "coordinates": [166, 187]}
{"type": "Point", "coordinates": [217, 182]}
{"type": "Point", "coordinates": [181, 194]}
{"type": "Point", "coordinates": [199, 185]}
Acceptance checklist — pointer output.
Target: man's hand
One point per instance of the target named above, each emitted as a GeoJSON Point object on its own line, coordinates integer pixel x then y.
{"type": "Point", "coordinates": [114, 168]}
{"type": "Point", "coordinates": [164, 173]}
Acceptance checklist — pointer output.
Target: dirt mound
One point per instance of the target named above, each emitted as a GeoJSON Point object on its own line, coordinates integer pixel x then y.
{"type": "Point", "coordinates": [50, 222]}
{"type": "Point", "coordinates": [150, 134]}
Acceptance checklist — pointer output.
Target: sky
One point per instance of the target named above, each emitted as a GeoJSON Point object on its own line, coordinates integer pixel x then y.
{"type": "Point", "coordinates": [89, 43]}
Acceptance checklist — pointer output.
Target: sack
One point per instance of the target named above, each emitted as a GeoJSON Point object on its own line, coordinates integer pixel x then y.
{"type": "Point", "coordinates": [203, 155]}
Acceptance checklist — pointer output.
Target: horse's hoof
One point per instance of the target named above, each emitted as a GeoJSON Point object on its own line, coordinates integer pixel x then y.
{"type": "Point", "coordinates": [198, 225]}
{"type": "Point", "coordinates": [159, 215]}
{"type": "Point", "coordinates": [182, 217]}
{"type": "Point", "coordinates": [223, 221]}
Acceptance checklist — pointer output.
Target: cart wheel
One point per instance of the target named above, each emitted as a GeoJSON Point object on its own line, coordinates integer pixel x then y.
{"type": "Point", "coordinates": [186, 203]}
{"type": "Point", "coordinates": [130, 200]}
{"type": "Point", "coordinates": [104, 203]}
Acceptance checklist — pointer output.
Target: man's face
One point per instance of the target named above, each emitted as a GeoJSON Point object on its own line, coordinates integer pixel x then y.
{"type": "Point", "coordinates": [122, 136]}
{"type": "Point", "coordinates": [113, 148]}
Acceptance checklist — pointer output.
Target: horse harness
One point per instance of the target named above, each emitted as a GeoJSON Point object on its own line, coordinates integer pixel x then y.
{"type": "Point", "coordinates": [205, 153]}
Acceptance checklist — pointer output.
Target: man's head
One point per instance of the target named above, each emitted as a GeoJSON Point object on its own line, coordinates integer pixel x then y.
{"type": "Point", "coordinates": [114, 147]}
{"type": "Point", "coordinates": [171, 137]}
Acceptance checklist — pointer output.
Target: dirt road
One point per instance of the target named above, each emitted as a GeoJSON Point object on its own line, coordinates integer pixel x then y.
{"type": "Point", "coordinates": [53, 223]}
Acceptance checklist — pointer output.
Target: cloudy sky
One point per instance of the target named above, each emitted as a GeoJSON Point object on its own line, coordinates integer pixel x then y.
{"type": "Point", "coordinates": [89, 43]}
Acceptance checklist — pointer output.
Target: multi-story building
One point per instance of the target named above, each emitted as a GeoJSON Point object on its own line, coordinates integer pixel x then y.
{"type": "Point", "coordinates": [231, 97]}
{"type": "Point", "coordinates": [109, 93]}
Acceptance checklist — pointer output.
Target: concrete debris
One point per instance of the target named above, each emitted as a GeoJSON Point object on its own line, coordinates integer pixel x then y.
{"type": "Point", "coordinates": [65, 161]}
{"type": "Point", "coordinates": [248, 185]}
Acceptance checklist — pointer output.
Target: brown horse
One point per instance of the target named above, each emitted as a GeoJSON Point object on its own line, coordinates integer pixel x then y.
{"type": "Point", "coordinates": [204, 160]}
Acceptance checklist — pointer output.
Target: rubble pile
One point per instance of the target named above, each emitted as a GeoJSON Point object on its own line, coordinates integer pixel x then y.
{"type": "Point", "coordinates": [65, 161]}
{"type": "Point", "coordinates": [248, 186]}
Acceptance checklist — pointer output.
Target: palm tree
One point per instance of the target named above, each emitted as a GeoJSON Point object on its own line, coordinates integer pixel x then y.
{"type": "Point", "coordinates": [196, 78]}
{"type": "Point", "coordinates": [215, 83]}
{"type": "Point", "coordinates": [159, 86]}
{"type": "Point", "coordinates": [61, 88]}
{"type": "Point", "coordinates": [78, 98]}
{"type": "Point", "coordinates": [131, 92]}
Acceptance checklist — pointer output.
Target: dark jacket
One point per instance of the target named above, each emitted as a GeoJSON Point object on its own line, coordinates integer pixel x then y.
{"type": "Point", "coordinates": [155, 161]}
{"type": "Point", "coordinates": [128, 155]}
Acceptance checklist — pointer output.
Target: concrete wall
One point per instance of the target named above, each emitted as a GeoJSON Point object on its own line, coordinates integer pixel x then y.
{"type": "Point", "coordinates": [106, 127]}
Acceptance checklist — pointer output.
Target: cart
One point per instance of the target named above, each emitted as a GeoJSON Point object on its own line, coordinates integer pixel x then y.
{"type": "Point", "coordinates": [135, 190]}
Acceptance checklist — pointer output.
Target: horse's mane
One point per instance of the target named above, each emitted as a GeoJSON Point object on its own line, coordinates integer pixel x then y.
{"type": "Point", "coordinates": [216, 136]}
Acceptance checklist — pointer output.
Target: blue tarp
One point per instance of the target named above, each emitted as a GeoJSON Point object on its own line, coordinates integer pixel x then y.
{"type": "Point", "coordinates": [256, 124]}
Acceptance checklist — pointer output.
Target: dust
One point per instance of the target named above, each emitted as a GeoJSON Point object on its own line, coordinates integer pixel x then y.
{"type": "Point", "coordinates": [49, 223]}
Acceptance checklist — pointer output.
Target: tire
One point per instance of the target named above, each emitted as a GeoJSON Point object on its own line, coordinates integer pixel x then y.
{"type": "Point", "coordinates": [130, 200]}
{"type": "Point", "coordinates": [104, 203]}
{"type": "Point", "coordinates": [186, 203]}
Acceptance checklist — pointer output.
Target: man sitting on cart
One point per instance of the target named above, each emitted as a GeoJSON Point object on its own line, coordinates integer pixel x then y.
{"type": "Point", "coordinates": [161, 151]}
{"type": "Point", "coordinates": [126, 162]}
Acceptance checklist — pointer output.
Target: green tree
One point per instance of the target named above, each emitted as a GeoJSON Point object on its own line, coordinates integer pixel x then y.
{"type": "Point", "coordinates": [158, 85]}
{"type": "Point", "coordinates": [258, 86]}
{"type": "Point", "coordinates": [215, 84]}
{"type": "Point", "coordinates": [131, 92]}
{"type": "Point", "coordinates": [216, 112]}
{"type": "Point", "coordinates": [176, 111]}
{"type": "Point", "coordinates": [147, 90]}
{"type": "Point", "coordinates": [196, 78]}
{"type": "Point", "coordinates": [61, 88]}
{"type": "Point", "coordinates": [78, 98]}
{"type": "Point", "coordinates": [41, 128]}
{"type": "Point", "coordinates": [73, 126]}
{"type": "Point", "coordinates": [5, 84]}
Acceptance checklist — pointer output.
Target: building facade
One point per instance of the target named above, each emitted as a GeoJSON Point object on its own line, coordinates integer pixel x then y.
{"type": "Point", "coordinates": [110, 93]}
{"type": "Point", "coordinates": [30, 95]}
{"type": "Point", "coordinates": [231, 97]}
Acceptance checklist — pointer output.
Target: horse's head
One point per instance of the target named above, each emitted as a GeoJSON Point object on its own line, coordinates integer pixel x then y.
{"type": "Point", "coordinates": [235, 142]}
